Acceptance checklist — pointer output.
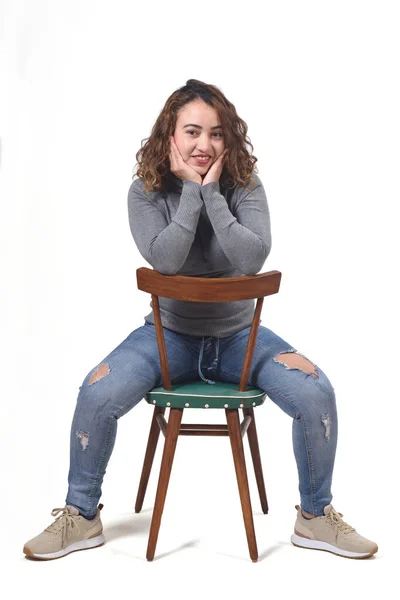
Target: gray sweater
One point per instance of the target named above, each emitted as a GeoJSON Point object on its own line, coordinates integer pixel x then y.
{"type": "Point", "coordinates": [201, 231]}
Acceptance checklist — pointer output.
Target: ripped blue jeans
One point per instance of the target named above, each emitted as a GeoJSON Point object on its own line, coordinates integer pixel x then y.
{"type": "Point", "coordinates": [122, 379]}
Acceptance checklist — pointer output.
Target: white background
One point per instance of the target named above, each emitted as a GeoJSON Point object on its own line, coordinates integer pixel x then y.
{"type": "Point", "coordinates": [81, 86]}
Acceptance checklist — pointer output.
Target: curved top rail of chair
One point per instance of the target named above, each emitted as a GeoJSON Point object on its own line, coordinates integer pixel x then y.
{"type": "Point", "coordinates": [208, 289]}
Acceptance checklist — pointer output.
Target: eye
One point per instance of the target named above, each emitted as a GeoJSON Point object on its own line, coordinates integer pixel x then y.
{"type": "Point", "coordinates": [216, 133]}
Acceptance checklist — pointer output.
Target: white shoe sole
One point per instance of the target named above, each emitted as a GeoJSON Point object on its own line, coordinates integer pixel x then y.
{"type": "Point", "coordinates": [317, 545]}
{"type": "Point", "coordinates": [82, 545]}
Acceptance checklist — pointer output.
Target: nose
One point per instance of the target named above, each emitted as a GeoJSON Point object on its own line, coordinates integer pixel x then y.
{"type": "Point", "coordinates": [204, 145]}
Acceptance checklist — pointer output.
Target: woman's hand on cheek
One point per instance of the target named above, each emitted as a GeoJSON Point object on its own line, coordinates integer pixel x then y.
{"type": "Point", "coordinates": [214, 172]}
{"type": "Point", "coordinates": [179, 167]}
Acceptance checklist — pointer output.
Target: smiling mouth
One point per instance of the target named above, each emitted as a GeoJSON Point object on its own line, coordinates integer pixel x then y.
{"type": "Point", "coordinates": [202, 160]}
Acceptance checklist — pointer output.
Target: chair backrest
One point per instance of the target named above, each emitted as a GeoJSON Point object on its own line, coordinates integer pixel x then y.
{"type": "Point", "coordinates": [205, 289]}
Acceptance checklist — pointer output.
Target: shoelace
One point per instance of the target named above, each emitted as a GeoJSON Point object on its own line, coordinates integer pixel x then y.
{"type": "Point", "coordinates": [62, 522]}
{"type": "Point", "coordinates": [336, 518]}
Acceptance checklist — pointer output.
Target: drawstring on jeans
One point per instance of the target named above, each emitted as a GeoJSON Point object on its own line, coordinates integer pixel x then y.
{"type": "Point", "coordinates": [214, 364]}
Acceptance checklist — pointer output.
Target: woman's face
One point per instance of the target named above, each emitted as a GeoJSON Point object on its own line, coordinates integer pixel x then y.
{"type": "Point", "coordinates": [198, 131]}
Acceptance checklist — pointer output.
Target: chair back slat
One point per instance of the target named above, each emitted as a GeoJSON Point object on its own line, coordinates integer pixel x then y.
{"type": "Point", "coordinates": [161, 345]}
{"type": "Point", "coordinates": [207, 289]}
{"type": "Point", "coordinates": [251, 342]}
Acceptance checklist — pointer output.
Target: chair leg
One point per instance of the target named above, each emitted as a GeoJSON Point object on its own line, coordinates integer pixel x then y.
{"type": "Point", "coordinates": [148, 458]}
{"type": "Point", "coordinates": [255, 455]}
{"type": "Point", "coordinates": [232, 417]}
{"type": "Point", "coordinates": [171, 438]}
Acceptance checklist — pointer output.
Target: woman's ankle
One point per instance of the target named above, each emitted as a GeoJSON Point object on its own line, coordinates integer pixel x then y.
{"type": "Point", "coordinates": [307, 515]}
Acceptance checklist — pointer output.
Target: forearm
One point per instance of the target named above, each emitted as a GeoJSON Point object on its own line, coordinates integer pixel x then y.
{"type": "Point", "coordinates": [245, 245]}
{"type": "Point", "coordinates": [166, 247]}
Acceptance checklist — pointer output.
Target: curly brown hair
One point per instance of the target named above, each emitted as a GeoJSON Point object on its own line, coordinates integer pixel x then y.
{"type": "Point", "coordinates": [153, 157]}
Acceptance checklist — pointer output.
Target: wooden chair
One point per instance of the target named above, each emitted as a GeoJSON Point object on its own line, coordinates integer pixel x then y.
{"type": "Point", "coordinates": [192, 394]}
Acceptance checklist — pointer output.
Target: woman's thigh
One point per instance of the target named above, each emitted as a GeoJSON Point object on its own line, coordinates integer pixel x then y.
{"type": "Point", "coordinates": [295, 389]}
{"type": "Point", "coordinates": [125, 375]}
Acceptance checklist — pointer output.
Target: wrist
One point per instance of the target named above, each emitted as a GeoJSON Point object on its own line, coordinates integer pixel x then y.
{"type": "Point", "coordinates": [191, 181]}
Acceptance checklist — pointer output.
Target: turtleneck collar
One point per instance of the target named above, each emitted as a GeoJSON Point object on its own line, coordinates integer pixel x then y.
{"type": "Point", "coordinates": [174, 181]}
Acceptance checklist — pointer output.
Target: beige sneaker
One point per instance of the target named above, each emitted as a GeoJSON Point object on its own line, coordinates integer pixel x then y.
{"type": "Point", "coordinates": [69, 532]}
{"type": "Point", "coordinates": [332, 534]}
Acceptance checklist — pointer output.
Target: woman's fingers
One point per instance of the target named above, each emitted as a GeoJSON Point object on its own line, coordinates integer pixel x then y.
{"type": "Point", "coordinates": [179, 167]}
{"type": "Point", "coordinates": [174, 159]}
{"type": "Point", "coordinates": [175, 149]}
{"type": "Point", "coordinates": [176, 155]}
{"type": "Point", "coordinates": [215, 170]}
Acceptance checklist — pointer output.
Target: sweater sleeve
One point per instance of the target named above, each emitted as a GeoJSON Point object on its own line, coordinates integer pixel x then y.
{"type": "Point", "coordinates": [165, 246]}
{"type": "Point", "coordinates": [246, 237]}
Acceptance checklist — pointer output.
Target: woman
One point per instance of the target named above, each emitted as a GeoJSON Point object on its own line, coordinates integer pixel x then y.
{"type": "Point", "coordinates": [198, 208]}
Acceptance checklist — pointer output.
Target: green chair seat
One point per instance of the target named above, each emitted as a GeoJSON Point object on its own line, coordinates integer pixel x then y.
{"type": "Point", "coordinates": [199, 394]}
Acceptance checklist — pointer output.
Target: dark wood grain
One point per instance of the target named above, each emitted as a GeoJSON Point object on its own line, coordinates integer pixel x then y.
{"type": "Point", "coordinates": [232, 417]}
{"type": "Point", "coordinates": [208, 289]}
{"type": "Point", "coordinates": [256, 458]}
{"type": "Point", "coordinates": [174, 421]}
{"type": "Point", "coordinates": [203, 289]}
{"type": "Point", "coordinates": [149, 457]}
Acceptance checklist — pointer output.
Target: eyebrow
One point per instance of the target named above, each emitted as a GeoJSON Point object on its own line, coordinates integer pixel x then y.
{"type": "Point", "coordinates": [199, 126]}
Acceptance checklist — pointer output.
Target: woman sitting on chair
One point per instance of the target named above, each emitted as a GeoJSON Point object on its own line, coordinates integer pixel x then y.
{"type": "Point", "coordinates": [199, 209]}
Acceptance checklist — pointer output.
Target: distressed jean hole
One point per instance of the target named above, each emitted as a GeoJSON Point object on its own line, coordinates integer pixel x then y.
{"type": "Point", "coordinates": [327, 422]}
{"type": "Point", "coordinates": [99, 373]}
{"type": "Point", "coordinates": [84, 439]}
{"type": "Point", "coordinates": [294, 360]}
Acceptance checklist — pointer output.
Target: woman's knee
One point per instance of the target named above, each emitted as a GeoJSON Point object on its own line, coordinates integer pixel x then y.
{"type": "Point", "coordinates": [295, 360]}
{"type": "Point", "coordinates": [292, 360]}
{"type": "Point", "coordinates": [107, 393]}
{"type": "Point", "coordinates": [98, 373]}
{"type": "Point", "coordinates": [298, 386]}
